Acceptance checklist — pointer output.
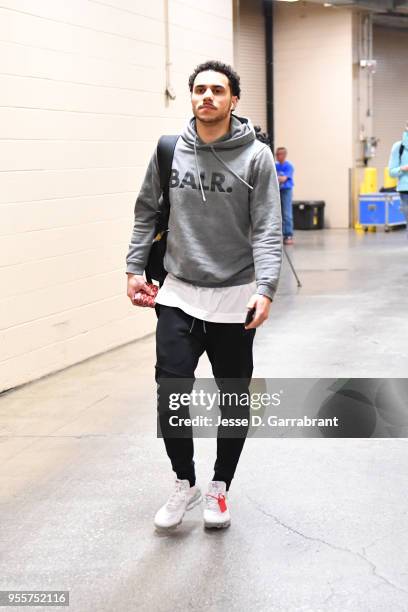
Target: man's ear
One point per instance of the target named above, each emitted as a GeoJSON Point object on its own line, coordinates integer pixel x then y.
{"type": "Point", "coordinates": [234, 102]}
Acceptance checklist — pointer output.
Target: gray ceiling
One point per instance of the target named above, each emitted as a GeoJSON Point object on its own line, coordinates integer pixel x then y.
{"type": "Point", "coordinates": [397, 6]}
{"type": "Point", "coordinates": [388, 13]}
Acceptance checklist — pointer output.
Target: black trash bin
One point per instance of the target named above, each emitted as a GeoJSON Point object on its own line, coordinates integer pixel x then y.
{"type": "Point", "coordinates": [308, 214]}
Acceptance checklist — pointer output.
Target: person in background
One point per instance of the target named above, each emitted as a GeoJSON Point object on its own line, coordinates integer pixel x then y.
{"type": "Point", "coordinates": [398, 168]}
{"type": "Point", "coordinates": [285, 172]}
{"type": "Point", "coordinates": [262, 136]}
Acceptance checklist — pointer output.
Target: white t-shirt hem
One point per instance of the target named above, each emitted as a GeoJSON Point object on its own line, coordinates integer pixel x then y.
{"type": "Point", "coordinates": [187, 297]}
{"type": "Point", "coordinates": [219, 317]}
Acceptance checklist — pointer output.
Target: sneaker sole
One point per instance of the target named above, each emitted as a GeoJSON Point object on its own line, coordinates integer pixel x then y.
{"type": "Point", "coordinates": [217, 525]}
{"type": "Point", "coordinates": [165, 529]}
{"type": "Point", "coordinates": [192, 503]}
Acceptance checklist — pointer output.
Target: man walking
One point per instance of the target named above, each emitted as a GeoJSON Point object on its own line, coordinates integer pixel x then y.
{"type": "Point", "coordinates": [398, 168]}
{"type": "Point", "coordinates": [285, 172]}
{"type": "Point", "coordinates": [223, 257]}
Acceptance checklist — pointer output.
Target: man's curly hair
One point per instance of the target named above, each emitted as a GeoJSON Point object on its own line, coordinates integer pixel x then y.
{"type": "Point", "coordinates": [217, 66]}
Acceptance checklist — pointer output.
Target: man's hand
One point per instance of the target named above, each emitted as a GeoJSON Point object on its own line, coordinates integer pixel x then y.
{"type": "Point", "coordinates": [404, 168]}
{"type": "Point", "coordinates": [136, 283]}
{"type": "Point", "coordinates": [282, 179]}
{"type": "Point", "coordinates": [262, 305]}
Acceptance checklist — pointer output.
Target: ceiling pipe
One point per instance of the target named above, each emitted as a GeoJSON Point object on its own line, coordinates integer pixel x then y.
{"type": "Point", "coordinates": [268, 20]}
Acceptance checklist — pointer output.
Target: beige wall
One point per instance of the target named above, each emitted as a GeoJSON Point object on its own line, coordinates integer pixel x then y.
{"type": "Point", "coordinates": [250, 60]}
{"type": "Point", "coordinates": [390, 91]}
{"type": "Point", "coordinates": [362, 85]}
{"type": "Point", "coordinates": [313, 102]}
{"type": "Point", "coordinates": [82, 105]}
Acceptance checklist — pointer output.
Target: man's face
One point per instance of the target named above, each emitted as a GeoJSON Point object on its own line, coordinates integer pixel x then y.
{"type": "Point", "coordinates": [211, 98]}
{"type": "Point", "coordinates": [281, 155]}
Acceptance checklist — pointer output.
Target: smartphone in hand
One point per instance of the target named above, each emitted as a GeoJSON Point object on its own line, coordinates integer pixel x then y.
{"type": "Point", "coordinates": [141, 298]}
{"type": "Point", "coordinates": [250, 315]}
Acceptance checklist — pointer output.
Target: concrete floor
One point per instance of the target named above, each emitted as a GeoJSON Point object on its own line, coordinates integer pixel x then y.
{"type": "Point", "coordinates": [317, 524]}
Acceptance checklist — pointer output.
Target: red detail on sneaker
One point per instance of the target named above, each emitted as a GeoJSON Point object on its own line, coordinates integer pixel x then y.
{"type": "Point", "coordinates": [221, 501]}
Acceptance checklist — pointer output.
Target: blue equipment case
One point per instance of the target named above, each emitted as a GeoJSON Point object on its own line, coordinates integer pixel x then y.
{"type": "Point", "coordinates": [380, 209]}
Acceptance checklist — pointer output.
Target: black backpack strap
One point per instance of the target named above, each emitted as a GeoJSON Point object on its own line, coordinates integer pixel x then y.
{"type": "Point", "coordinates": [165, 153]}
{"type": "Point", "coordinates": [401, 150]}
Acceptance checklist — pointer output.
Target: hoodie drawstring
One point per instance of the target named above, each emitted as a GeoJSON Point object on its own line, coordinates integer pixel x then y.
{"type": "Point", "coordinates": [192, 325]}
{"type": "Point", "coordinates": [221, 161]}
{"type": "Point", "coordinates": [198, 169]}
{"type": "Point", "coordinates": [230, 169]}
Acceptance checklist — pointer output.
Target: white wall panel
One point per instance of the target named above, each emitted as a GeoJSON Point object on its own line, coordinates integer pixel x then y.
{"type": "Point", "coordinates": [30, 30]}
{"type": "Point", "coordinates": [61, 67]}
{"type": "Point", "coordinates": [20, 186]}
{"type": "Point", "coordinates": [16, 249]}
{"type": "Point", "coordinates": [27, 123]}
{"type": "Point", "coordinates": [82, 106]}
{"type": "Point", "coordinates": [33, 155]}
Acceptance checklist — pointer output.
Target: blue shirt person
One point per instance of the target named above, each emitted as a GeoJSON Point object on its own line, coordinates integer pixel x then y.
{"type": "Point", "coordinates": [398, 168]}
{"type": "Point", "coordinates": [285, 171]}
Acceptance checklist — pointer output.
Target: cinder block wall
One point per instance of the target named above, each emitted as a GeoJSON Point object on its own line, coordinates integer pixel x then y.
{"type": "Point", "coordinates": [82, 86]}
{"type": "Point", "coordinates": [390, 92]}
{"type": "Point", "coordinates": [313, 91]}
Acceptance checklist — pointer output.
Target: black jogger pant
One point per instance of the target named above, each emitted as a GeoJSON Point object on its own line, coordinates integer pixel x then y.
{"type": "Point", "coordinates": [180, 341]}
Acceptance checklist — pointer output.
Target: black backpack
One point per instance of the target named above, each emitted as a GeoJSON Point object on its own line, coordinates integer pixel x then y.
{"type": "Point", "coordinates": [392, 189]}
{"type": "Point", "coordinates": [155, 268]}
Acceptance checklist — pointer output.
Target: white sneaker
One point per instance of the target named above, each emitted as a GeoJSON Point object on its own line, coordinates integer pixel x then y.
{"type": "Point", "coordinates": [183, 498]}
{"type": "Point", "coordinates": [216, 513]}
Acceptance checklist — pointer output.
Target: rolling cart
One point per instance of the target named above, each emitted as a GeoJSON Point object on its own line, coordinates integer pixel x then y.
{"type": "Point", "coordinates": [380, 209]}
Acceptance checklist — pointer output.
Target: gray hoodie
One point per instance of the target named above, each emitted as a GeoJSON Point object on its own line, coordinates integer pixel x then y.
{"type": "Point", "coordinates": [225, 214]}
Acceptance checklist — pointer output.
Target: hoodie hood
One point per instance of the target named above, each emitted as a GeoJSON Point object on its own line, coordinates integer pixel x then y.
{"type": "Point", "coordinates": [405, 139]}
{"type": "Point", "coordinates": [241, 133]}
